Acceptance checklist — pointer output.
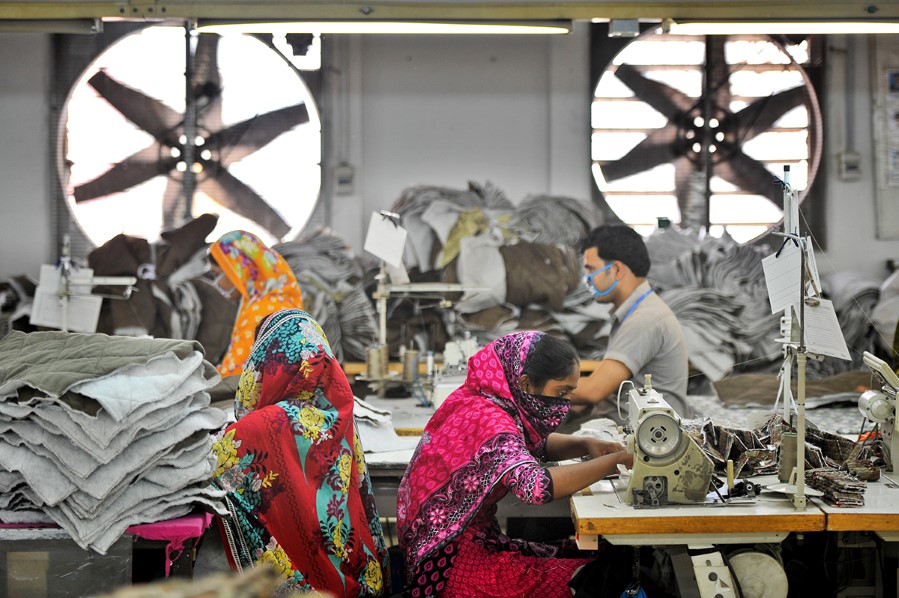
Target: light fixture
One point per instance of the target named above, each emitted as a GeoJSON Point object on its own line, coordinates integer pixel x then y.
{"type": "Point", "coordinates": [624, 28]}
{"type": "Point", "coordinates": [389, 27]}
{"type": "Point", "coordinates": [76, 26]}
{"type": "Point", "coordinates": [758, 27]}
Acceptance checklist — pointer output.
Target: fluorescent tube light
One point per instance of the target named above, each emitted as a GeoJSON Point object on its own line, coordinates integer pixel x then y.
{"type": "Point", "coordinates": [391, 27]}
{"type": "Point", "coordinates": [778, 27]}
{"type": "Point", "coordinates": [76, 26]}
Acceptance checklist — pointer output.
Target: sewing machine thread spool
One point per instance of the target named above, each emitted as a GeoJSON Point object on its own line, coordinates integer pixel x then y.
{"type": "Point", "coordinates": [376, 358]}
{"type": "Point", "coordinates": [787, 460]}
{"type": "Point", "coordinates": [410, 365]}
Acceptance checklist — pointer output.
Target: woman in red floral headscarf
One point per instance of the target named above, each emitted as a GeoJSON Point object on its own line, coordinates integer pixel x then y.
{"type": "Point", "coordinates": [489, 438]}
{"type": "Point", "coordinates": [297, 487]}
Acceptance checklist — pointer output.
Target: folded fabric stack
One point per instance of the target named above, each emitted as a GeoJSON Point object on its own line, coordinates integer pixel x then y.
{"type": "Point", "coordinates": [840, 488]}
{"type": "Point", "coordinates": [98, 433]}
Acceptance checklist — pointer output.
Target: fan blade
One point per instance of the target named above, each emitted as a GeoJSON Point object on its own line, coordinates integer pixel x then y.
{"type": "Point", "coordinates": [243, 138]}
{"type": "Point", "coordinates": [683, 171]}
{"type": "Point", "coordinates": [667, 100]}
{"type": "Point", "coordinates": [761, 115]}
{"type": "Point", "coordinates": [134, 170]}
{"type": "Point", "coordinates": [750, 175]}
{"type": "Point", "coordinates": [234, 194]}
{"type": "Point", "coordinates": [658, 147]}
{"type": "Point", "coordinates": [207, 82]}
{"type": "Point", "coordinates": [718, 72]}
{"type": "Point", "coordinates": [173, 205]}
{"type": "Point", "coordinates": [148, 113]}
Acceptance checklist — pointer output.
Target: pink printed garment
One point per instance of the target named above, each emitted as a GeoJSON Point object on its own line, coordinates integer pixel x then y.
{"type": "Point", "coordinates": [483, 441]}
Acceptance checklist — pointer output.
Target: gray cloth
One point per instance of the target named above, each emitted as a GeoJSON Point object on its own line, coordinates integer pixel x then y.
{"type": "Point", "coordinates": [649, 340]}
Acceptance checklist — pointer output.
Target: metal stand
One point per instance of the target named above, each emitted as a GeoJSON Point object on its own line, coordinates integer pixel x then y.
{"type": "Point", "coordinates": [383, 292]}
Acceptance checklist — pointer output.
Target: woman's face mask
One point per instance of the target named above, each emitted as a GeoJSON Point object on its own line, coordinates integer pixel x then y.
{"type": "Point", "coordinates": [216, 280]}
{"type": "Point", "coordinates": [591, 285]}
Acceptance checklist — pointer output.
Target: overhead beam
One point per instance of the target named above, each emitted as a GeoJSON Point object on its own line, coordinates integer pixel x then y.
{"type": "Point", "coordinates": [450, 10]}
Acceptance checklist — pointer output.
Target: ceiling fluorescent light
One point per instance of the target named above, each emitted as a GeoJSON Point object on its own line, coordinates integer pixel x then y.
{"type": "Point", "coordinates": [392, 27]}
{"type": "Point", "coordinates": [76, 26]}
{"type": "Point", "coordinates": [778, 27]}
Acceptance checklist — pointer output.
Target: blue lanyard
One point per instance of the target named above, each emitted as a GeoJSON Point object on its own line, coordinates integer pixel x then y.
{"type": "Point", "coordinates": [634, 306]}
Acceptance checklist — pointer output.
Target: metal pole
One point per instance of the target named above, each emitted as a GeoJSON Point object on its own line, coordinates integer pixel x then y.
{"type": "Point", "coordinates": [190, 125]}
{"type": "Point", "coordinates": [801, 358]}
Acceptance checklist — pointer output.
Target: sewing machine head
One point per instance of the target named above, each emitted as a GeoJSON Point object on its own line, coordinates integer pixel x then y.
{"type": "Point", "coordinates": [669, 466]}
{"type": "Point", "coordinates": [880, 405]}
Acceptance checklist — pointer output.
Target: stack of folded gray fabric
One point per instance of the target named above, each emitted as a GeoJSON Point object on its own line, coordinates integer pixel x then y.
{"type": "Point", "coordinates": [98, 433]}
{"type": "Point", "coordinates": [331, 277]}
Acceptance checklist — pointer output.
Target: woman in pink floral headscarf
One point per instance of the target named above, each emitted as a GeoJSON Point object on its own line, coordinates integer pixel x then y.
{"type": "Point", "coordinates": [488, 438]}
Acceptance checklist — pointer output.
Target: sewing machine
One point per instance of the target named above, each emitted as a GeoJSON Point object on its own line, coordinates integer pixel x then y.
{"type": "Point", "coordinates": [669, 466]}
{"type": "Point", "coordinates": [880, 406]}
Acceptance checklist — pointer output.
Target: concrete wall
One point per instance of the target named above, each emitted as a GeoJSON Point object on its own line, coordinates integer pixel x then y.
{"type": "Point", "coordinates": [441, 111]}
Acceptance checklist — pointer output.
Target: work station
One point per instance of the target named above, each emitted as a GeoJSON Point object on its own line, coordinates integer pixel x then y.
{"type": "Point", "coordinates": [455, 299]}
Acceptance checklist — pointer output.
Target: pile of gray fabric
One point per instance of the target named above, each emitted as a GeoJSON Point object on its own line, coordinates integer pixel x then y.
{"type": "Point", "coordinates": [332, 280]}
{"type": "Point", "coordinates": [170, 300]}
{"type": "Point", "coordinates": [98, 433]}
{"type": "Point", "coordinates": [16, 300]}
{"type": "Point", "coordinates": [520, 265]}
{"type": "Point", "coordinates": [854, 296]}
{"type": "Point", "coordinates": [717, 289]}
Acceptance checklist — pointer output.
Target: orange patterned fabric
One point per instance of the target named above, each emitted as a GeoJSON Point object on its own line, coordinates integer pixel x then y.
{"type": "Point", "coordinates": [266, 284]}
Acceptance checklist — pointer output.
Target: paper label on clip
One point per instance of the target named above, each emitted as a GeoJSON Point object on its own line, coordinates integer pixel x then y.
{"type": "Point", "coordinates": [385, 239]}
{"type": "Point", "coordinates": [782, 277]}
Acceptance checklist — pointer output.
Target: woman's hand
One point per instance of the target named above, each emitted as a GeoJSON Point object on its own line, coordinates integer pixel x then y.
{"type": "Point", "coordinates": [598, 448]}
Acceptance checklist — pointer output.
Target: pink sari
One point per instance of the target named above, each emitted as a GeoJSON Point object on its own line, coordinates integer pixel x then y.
{"type": "Point", "coordinates": [485, 440]}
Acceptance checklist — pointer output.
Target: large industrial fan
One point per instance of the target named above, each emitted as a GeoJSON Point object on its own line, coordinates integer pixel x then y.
{"type": "Point", "coordinates": [698, 129]}
{"type": "Point", "coordinates": [166, 125]}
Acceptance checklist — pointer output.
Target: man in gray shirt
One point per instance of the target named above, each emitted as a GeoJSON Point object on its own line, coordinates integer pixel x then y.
{"type": "Point", "coordinates": [646, 337]}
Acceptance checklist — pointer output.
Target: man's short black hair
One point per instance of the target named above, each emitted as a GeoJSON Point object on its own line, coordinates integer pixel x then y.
{"type": "Point", "coordinates": [621, 243]}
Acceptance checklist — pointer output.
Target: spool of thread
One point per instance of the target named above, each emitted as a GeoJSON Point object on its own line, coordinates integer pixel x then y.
{"type": "Point", "coordinates": [787, 459]}
{"type": "Point", "coordinates": [430, 362]}
{"type": "Point", "coordinates": [385, 360]}
{"type": "Point", "coordinates": [376, 362]}
{"type": "Point", "coordinates": [410, 365]}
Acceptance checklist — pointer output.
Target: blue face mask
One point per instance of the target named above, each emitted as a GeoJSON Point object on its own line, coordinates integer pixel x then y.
{"type": "Point", "coordinates": [588, 280]}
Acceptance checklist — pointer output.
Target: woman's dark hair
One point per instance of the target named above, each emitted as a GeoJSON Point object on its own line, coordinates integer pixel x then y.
{"type": "Point", "coordinates": [551, 359]}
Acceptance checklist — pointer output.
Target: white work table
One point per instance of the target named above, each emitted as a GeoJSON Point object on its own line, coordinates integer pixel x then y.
{"type": "Point", "coordinates": [880, 513]}
{"type": "Point", "coordinates": [601, 511]}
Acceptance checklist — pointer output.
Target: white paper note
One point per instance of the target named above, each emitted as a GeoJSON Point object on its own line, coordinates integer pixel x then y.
{"type": "Point", "coordinates": [823, 334]}
{"type": "Point", "coordinates": [385, 239]}
{"type": "Point", "coordinates": [782, 277]}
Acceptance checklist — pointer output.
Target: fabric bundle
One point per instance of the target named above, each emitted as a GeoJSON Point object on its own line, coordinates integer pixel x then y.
{"type": "Point", "coordinates": [331, 277]}
{"type": "Point", "coordinates": [712, 328]}
{"type": "Point", "coordinates": [165, 304]}
{"type": "Point", "coordinates": [553, 220]}
{"type": "Point", "coordinates": [840, 488]}
{"type": "Point", "coordinates": [99, 433]}
{"type": "Point", "coordinates": [430, 213]}
{"type": "Point", "coordinates": [520, 265]}
{"type": "Point", "coordinates": [736, 325]}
